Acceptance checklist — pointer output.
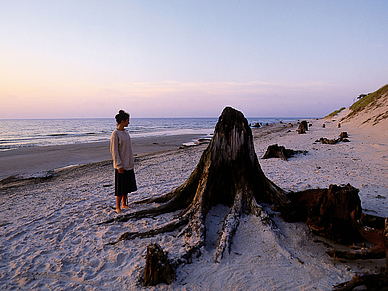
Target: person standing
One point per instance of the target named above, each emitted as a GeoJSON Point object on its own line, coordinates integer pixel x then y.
{"type": "Point", "coordinates": [123, 161]}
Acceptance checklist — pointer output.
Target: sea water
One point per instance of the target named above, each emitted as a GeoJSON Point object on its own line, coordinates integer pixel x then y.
{"type": "Point", "coordinates": [17, 133]}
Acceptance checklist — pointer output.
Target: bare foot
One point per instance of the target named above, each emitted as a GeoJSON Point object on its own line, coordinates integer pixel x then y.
{"type": "Point", "coordinates": [125, 207]}
{"type": "Point", "coordinates": [118, 211]}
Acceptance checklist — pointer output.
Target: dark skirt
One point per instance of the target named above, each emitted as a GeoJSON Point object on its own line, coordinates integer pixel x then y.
{"type": "Point", "coordinates": [124, 183]}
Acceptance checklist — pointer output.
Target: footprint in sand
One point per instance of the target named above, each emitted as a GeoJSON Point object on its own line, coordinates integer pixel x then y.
{"type": "Point", "coordinates": [76, 240]}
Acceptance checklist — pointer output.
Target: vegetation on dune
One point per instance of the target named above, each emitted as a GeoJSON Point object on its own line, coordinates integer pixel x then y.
{"type": "Point", "coordinates": [363, 101]}
{"type": "Point", "coordinates": [334, 113]}
{"type": "Point", "coordinates": [368, 99]}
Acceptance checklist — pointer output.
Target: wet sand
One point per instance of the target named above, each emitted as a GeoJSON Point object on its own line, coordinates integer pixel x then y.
{"type": "Point", "coordinates": [38, 160]}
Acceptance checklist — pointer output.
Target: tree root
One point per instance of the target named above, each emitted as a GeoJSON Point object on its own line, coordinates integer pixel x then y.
{"type": "Point", "coordinates": [369, 281]}
{"type": "Point", "coordinates": [229, 227]}
{"type": "Point", "coordinates": [362, 254]}
{"type": "Point", "coordinates": [169, 227]}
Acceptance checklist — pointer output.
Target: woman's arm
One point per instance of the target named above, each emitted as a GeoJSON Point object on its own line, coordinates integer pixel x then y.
{"type": "Point", "coordinates": [114, 149]}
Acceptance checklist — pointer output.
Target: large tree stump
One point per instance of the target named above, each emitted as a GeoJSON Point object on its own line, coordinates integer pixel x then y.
{"type": "Point", "coordinates": [228, 173]}
{"type": "Point", "coordinates": [157, 269]}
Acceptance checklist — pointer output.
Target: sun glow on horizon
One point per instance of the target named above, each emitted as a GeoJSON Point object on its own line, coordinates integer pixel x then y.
{"type": "Point", "coordinates": [170, 98]}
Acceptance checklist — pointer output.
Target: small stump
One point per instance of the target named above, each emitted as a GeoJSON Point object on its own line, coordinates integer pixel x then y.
{"type": "Point", "coordinates": [276, 151]}
{"type": "Point", "coordinates": [343, 135]}
{"type": "Point", "coordinates": [157, 269]}
{"type": "Point", "coordinates": [303, 127]}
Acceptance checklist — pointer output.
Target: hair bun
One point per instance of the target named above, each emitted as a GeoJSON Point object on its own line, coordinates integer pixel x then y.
{"type": "Point", "coordinates": [122, 115]}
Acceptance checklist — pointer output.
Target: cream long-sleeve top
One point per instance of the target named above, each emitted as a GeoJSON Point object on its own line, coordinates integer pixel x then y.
{"type": "Point", "coordinates": [121, 150]}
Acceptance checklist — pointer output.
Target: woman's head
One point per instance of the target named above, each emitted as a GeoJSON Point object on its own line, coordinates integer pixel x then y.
{"type": "Point", "coordinates": [122, 115]}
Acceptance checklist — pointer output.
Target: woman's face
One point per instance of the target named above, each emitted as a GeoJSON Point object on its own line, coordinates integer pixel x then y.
{"type": "Point", "coordinates": [125, 122]}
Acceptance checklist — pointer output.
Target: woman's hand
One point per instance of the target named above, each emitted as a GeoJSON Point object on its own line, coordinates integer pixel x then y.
{"type": "Point", "coordinates": [121, 170]}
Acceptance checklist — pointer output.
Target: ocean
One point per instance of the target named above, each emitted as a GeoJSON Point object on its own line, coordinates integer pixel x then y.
{"type": "Point", "coordinates": [18, 133]}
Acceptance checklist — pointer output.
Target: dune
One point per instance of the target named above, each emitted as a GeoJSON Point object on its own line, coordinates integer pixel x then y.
{"type": "Point", "coordinates": [368, 115]}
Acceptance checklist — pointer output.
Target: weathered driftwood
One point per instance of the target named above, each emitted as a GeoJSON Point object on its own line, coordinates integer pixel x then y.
{"type": "Point", "coordinates": [328, 212]}
{"type": "Point", "coordinates": [375, 230]}
{"type": "Point", "coordinates": [379, 237]}
{"type": "Point", "coordinates": [276, 151]}
{"type": "Point", "coordinates": [343, 138]}
{"type": "Point", "coordinates": [228, 173]}
{"type": "Point", "coordinates": [360, 254]}
{"type": "Point", "coordinates": [157, 268]}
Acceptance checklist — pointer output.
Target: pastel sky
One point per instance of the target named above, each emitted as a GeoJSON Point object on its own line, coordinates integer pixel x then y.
{"type": "Point", "coordinates": [164, 58]}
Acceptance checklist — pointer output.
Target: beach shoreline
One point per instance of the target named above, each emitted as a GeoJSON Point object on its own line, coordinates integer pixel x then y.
{"type": "Point", "coordinates": [38, 160]}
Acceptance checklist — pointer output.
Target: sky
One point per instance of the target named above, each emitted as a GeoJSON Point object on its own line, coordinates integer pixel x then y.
{"type": "Point", "coordinates": [189, 58]}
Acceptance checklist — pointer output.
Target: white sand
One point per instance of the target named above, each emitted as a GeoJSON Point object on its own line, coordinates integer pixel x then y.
{"type": "Point", "coordinates": [50, 239]}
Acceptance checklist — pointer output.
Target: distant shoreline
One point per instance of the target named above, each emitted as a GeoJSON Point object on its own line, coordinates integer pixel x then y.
{"type": "Point", "coordinates": [18, 134]}
{"type": "Point", "coordinates": [38, 161]}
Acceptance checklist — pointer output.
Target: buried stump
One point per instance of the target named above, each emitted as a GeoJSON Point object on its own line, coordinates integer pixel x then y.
{"type": "Point", "coordinates": [157, 269]}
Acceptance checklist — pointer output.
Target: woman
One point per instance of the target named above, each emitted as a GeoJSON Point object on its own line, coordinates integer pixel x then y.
{"type": "Point", "coordinates": [123, 161]}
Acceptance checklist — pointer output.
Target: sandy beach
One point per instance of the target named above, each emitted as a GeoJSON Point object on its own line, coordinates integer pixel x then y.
{"type": "Point", "coordinates": [51, 238]}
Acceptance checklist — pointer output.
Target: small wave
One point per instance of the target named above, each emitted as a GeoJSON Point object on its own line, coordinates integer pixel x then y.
{"type": "Point", "coordinates": [41, 176]}
{"type": "Point", "coordinates": [58, 134]}
{"type": "Point", "coordinates": [30, 133]}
